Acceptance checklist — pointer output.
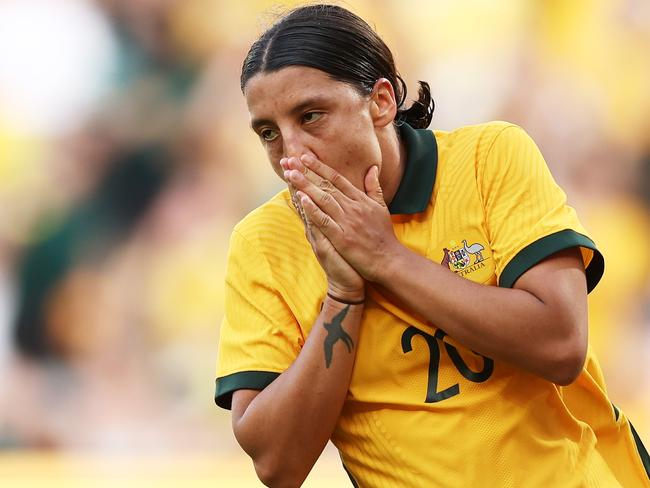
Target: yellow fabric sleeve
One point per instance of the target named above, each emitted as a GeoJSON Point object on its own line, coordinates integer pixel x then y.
{"type": "Point", "coordinates": [259, 336]}
{"type": "Point", "coordinates": [526, 212]}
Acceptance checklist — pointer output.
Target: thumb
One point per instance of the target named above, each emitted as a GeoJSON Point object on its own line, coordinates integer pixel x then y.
{"type": "Point", "coordinates": [373, 189]}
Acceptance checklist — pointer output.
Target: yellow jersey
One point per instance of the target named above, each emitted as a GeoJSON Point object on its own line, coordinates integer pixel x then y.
{"type": "Point", "coordinates": [423, 410]}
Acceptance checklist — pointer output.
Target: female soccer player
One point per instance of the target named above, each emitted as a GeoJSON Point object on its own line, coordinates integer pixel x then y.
{"type": "Point", "coordinates": [433, 322]}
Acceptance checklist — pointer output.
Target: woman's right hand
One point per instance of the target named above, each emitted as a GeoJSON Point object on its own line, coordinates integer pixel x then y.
{"type": "Point", "coordinates": [343, 281]}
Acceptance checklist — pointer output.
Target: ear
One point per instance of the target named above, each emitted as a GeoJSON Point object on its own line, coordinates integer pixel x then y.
{"type": "Point", "coordinates": [383, 106]}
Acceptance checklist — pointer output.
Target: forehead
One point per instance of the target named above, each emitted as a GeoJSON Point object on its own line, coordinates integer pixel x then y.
{"type": "Point", "coordinates": [282, 89]}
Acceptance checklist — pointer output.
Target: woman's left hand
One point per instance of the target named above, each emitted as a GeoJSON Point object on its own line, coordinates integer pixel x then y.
{"type": "Point", "coordinates": [357, 223]}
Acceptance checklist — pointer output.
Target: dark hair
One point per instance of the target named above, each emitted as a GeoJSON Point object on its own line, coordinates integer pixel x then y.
{"type": "Point", "coordinates": [338, 42]}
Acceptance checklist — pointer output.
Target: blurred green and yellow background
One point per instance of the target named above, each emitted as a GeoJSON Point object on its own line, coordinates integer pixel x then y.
{"type": "Point", "coordinates": [126, 159]}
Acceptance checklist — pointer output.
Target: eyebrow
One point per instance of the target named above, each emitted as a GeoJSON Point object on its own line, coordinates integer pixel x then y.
{"type": "Point", "coordinates": [296, 109]}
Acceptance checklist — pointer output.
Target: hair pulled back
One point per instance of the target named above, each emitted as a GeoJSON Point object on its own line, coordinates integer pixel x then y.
{"type": "Point", "coordinates": [338, 42]}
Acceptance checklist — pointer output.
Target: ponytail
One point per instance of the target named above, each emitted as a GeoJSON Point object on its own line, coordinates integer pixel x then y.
{"type": "Point", "coordinates": [420, 113]}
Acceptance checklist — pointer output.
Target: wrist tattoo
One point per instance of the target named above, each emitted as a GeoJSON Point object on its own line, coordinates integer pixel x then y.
{"type": "Point", "coordinates": [335, 333]}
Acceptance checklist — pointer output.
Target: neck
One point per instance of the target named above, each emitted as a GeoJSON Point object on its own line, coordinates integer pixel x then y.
{"type": "Point", "coordinates": [393, 164]}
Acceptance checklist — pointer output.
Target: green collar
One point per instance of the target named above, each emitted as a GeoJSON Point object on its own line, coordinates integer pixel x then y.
{"type": "Point", "coordinates": [415, 189]}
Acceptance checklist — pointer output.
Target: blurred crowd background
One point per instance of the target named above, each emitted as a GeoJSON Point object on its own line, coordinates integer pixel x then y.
{"type": "Point", "coordinates": [126, 159]}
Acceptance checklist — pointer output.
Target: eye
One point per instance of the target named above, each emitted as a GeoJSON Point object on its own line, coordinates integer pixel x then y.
{"type": "Point", "coordinates": [269, 135]}
{"type": "Point", "coordinates": [310, 117]}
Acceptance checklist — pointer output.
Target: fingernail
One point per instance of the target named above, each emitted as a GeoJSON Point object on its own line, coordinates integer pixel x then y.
{"type": "Point", "coordinates": [305, 159]}
{"type": "Point", "coordinates": [286, 174]}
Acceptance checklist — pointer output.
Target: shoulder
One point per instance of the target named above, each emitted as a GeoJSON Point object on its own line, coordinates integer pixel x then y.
{"type": "Point", "coordinates": [495, 146]}
{"type": "Point", "coordinates": [479, 135]}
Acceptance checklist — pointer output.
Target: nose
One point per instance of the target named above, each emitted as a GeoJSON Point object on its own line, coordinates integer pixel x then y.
{"type": "Point", "coordinates": [293, 144]}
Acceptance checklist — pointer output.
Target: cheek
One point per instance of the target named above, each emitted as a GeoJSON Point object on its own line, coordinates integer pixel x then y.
{"type": "Point", "coordinates": [360, 152]}
{"type": "Point", "coordinates": [362, 143]}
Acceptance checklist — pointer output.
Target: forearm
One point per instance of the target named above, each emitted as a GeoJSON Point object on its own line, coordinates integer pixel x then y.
{"type": "Point", "coordinates": [512, 325]}
{"type": "Point", "coordinates": [286, 426]}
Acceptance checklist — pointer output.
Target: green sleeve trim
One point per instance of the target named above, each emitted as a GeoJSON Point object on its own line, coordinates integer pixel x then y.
{"type": "Point", "coordinates": [546, 246]}
{"type": "Point", "coordinates": [245, 380]}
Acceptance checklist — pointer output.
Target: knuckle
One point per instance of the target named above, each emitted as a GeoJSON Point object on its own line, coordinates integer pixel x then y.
{"type": "Point", "coordinates": [335, 178]}
{"type": "Point", "coordinates": [326, 185]}
{"type": "Point", "coordinates": [326, 199]}
{"type": "Point", "coordinates": [323, 220]}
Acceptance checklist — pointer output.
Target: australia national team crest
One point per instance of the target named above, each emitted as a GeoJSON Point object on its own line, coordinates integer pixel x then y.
{"type": "Point", "coordinates": [458, 258]}
{"type": "Point", "coordinates": [464, 257]}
